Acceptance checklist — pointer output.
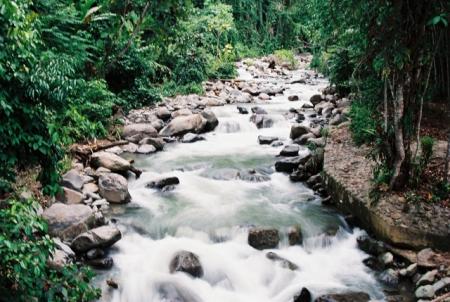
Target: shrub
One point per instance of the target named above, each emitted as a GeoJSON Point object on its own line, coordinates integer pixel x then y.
{"type": "Point", "coordinates": [25, 247]}
{"type": "Point", "coordinates": [363, 125]}
{"type": "Point", "coordinates": [285, 56]}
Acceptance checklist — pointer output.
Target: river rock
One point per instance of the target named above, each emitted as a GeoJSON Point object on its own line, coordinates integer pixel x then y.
{"type": "Point", "coordinates": [390, 277]}
{"type": "Point", "coordinates": [427, 278]}
{"type": "Point", "coordinates": [110, 161]}
{"type": "Point", "coordinates": [242, 110]}
{"type": "Point", "coordinates": [344, 297]}
{"type": "Point", "coordinates": [156, 142]}
{"type": "Point", "coordinates": [146, 149]}
{"type": "Point", "coordinates": [131, 148]}
{"type": "Point", "coordinates": [102, 263]}
{"type": "Point", "coordinates": [284, 262]}
{"type": "Point", "coordinates": [95, 253]}
{"type": "Point", "coordinates": [73, 180]}
{"type": "Point", "coordinates": [263, 238]}
{"type": "Point", "coordinates": [163, 182]}
{"type": "Point", "coordinates": [425, 292]}
{"type": "Point", "coordinates": [370, 245]}
{"type": "Point", "coordinates": [293, 98]}
{"type": "Point", "coordinates": [186, 262]}
{"type": "Point", "coordinates": [68, 221]}
{"type": "Point", "coordinates": [266, 140]}
{"type": "Point", "coordinates": [90, 188]}
{"type": "Point", "coordinates": [430, 259]}
{"type": "Point", "coordinates": [192, 138]}
{"type": "Point", "coordinates": [386, 259]}
{"type": "Point", "coordinates": [101, 237]}
{"type": "Point", "coordinates": [304, 138]}
{"type": "Point", "coordinates": [139, 129]}
{"type": "Point", "coordinates": [315, 99]}
{"type": "Point", "coordinates": [264, 96]}
{"type": "Point", "coordinates": [211, 120]}
{"type": "Point", "coordinates": [163, 113]}
{"type": "Point", "coordinates": [298, 130]}
{"type": "Point", "coordinates": [114, 188]}
{"type": "Point", "coordinates": [181, 125]}
{"type": "Point", "coordinates": [442, 285]}
{"type": "Point", "coordinates": [252, 176]}
{"type": "Point", "coordinates": [70, 196]}
{"type": "Point", "coordinates": [289, 164]}
{"type": "Point", "coordinates": [261, 120]}
{"type": "Point", "coordinates": [303, 296]}
{"type": "Point", "coordinates": [290, 150]}
{"type": "Point", "coordinates": [258, 110]}
{"type": "Point", "coordinates": [295, 235]}
{"type": "Point", "coordinates": [181, 112]}
{"type": "Point", "coordinates": [318, 142]}
{"type": "Point", "coordinates": [58, 259]}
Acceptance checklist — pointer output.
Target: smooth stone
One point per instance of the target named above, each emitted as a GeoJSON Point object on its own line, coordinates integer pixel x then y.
{"type": "Point", "coordinates": [181, 125]}
{"type": "Point", "coordinates": [284, 262]}
{"type": "Point", "coordinates": [163, 113]}
{"type": "Point", "coordinates": [192, 138]}
{"type": "Point", "coordinates": [293, 98]}
{"type": "Point", "coordinates": [114, 188]}
{"type": "Point", "coordinates": [315, 99]}
{"type": "Point", "coordinates": [90, 188]}
{"type": "Point", "coordinates": [110, 161]}
{"type": "Point", "coordinates": [386, 259]}
{"type": "Point", "coordinates": [304, 138]}
{"type": "Point", "coordinates": [186, 262]}
{"type": "Point", "coordinates": [425, 292]}
{"type": "Point", "coordinates": [156, 142]}
{"type": "Point", "coordinates": [295, 235]}
{"type": "Point", "coordinates": [290, 150]}
{"type": "Point", "coordinates": [262, 121]}
{"type": "Point", "coordinates": [266, 140]}
{"type": "Point", "coordinates": [95, 253]}
{"type": "Point", "coordinates": [163, 182]}
{"type": "Point", "coordinates": [101, 237]}
{"type": "Point", "coordinates": [130, 148]}
{"type": "Point", "coordinates": [298, 130]}
{"type": "Point", "coordinates": [263, 238]}
{"type": "Point", "coordinates": [289, 164]}
{"type": "Point", "coordinates": [370, 245]}
{"type": "Point", "coordinates": [344, 297]}
{"type": "Point", "coordinates": [68, 221]}
{"type": "Point", "coordinates": [242, 110]}
{"type": "Point", "coordinates": [258, 110]}
{"type": "Point", "coordinates": [73, 180]}
{"type": "Point", "coordinates": [102, 263]}
{"type": "Point", "coordinates": [146, 149]}
{"type": "Point", "coordinates": [427, 278]}
{"type": "Point", "coordinates": [140, 129]}
{"type": "Point", "coordinates": [390, 277]}
{"type": "Point", "coordinates": [70, 196]}
{"type": "Point", "coordinates": [58, 260]}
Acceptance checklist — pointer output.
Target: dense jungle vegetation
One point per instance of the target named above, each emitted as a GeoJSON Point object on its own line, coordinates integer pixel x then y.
{"type": "Point", "coordinates": [66, 67]}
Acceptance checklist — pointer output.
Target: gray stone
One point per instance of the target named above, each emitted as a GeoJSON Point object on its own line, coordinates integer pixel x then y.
{"type": "Point", "coordinates": [242, 110]}
{"type": "Point", "coordinates": [386, 259]}
{"type": "Point", "coordinates": [130, 148]}
{"type": "Point", "coordinates": [303, 296]}
{"type": "Point", "coordinates": [186, 262]}
{"type": "Point", "coordinates": [110, 161]}
{"type": "Point", "coordinates": [102, 263]}
{"type": "Point", "coordinates": [443, 284]}
{"type": "Point", "coordinates": [63, 247]}
{"type": "Point", "coordinates": [390, 277]}
{"type": "Point", "coordinates": [95, 254]}
{"type": "Point", "coordinates": [264, 96]}
{"type": "Point", "coordinates": [163, 182]}
{"type": "Point", "coordinates": [192, 138]}
{"type": "Point", "coordinates": [295, 235]}
{"type": "Point", "coordinates": [315, 99]}
{"type": "Point", "coordinates": [163, 113]}
{"type": "Point", "coordinates": [427, 278]}
{"type": "Point", "coordinates": [90, 188]}
{"type": "Point", "coordinates": [290, 150]}
{"type": "Point", "coordinates": [266, 140]}
{"type": "Point", "coordinates": [114, 188]}
{"type": "Point", "coordinates": [261, 120]}
{"type": "Point", "coordinates": [293, 98]}
{"type": "Point", "coordinates": [211, 120]}
{"type": "Point", "coordinates": [181, 112]}
{"type": "Point", "coordinates": [370, 245]}
{"type": "Point", "coordinates": [70, 196]}
{"type": "Point", "coordinates": [146, 149]}
{"type": "Point", "coordinates": [68, 221]}
{"type": "Point", "coordinates": [73, 180]}
{"type": "Point", "coordinates": [101, 237]}
{"type": "Point", "coordinates": [289, 164]}
{"type": "Point", "coordinates": [304, 138]}
{"type": "Point", "coordinates": [58, 260]}
{"type": "Point", "coordinates": [263, 238]}
{"type": "Point", "coordinates": [181, 125]}
{"type": "Point", "coordinates": [425, 292]}
{"type": "Point", "coordinates": [298, 130]}
{"type": "Point", "coordinates": [156, 142]}
{"type": "Point", "coordinates": [258, 110]}
{"type": "Point", "coordinates": [344, 297]}
{"type": "Point", "coordinates": [284, 262]}
{"type": "Point", "coordinates": [140, 129]}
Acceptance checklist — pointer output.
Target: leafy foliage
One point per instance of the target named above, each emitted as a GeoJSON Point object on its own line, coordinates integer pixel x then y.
{"type": "Point", "coordinates": [25, 247]}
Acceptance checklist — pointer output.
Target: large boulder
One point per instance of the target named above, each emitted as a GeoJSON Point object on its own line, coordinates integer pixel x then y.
{"type": "Point", "coordinates": [181, 125]}
{"type": "Point", "coordinates": [110, 161]}
{"type": "Point", "coordinates": [68, 221]}
{"type": "Point", "coordinates": [315, 99]}
{"type": "Point", "coordinates": [73, 180]}
{"type": "Point", "coordinates": [141, 129]}
{"type": "Point", "coordinates": [186, 262]}
{"type": "Point", "coordinates": [263, 238]}
{"type": "Point", "coordinates": [345, 297]}
{"type": "Point", "coordinates": [156, 142]}
{"type": "Point", "coordinates": [289, 164]}
{"type": "Point", "coordinates": [163, 182]}
{"type": "Point", "coordinates": [290, 150]}
{"type": "Point", "coordinates": [114, 188]}
{"type": "Point", "coordinates": [370, 245]}
{"type": "Point", "coordinates": [266, 140]}
{"type": "Point", "coordinates": [163, 113]}
{"type": "Point", "coordinates": [146, 149]}
{"type": "Point", "coordinates": [101, 237]}
{"type": "Point", "coordinates": [298, 130]}
{"type": "Point", "coordinates": [211, 120]}
{"type": "Point", "coordinates": [70, 196]}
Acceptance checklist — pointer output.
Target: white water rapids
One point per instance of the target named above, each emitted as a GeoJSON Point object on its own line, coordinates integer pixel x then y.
{"type": "Point", "coordinates": [210, 217]}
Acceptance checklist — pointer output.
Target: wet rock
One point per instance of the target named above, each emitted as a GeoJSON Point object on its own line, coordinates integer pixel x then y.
{"type": "Point", "coordinates": [102, 263]}
{"type": "Point", "coordinates": [114, 188]}
{"type": "Point", "coordinates": [295, 235]}
{"type": "Point", "coordinates": [184, 124]}
{"type": "Point", "coordinates": [409, 271]}
{"type": "Point", "coordinates": [427, 278]}
{"type": "Point", "coordinates": [130, 148]}
{"type": "Point", "coordinates": [373, 263]}
{"type": "Point", "coordinates": [163, 182]}
{"type": "Point", "coordinates": [370, 245]}
{"type": "Point", "coordinates": [101, 237]}
{"type": "Point", "coordinates": [252, 176]}
{"type": "Point", "coordinates": [261, 121]}
{"type": "Point", "coordinates": [90, 188]}
{"type": "Point", "coordinates": [425, 292]}
{"type": "Point", "coordinates": [258, 110]}
{"type": "Point", "coordinates": [112, 283]}
{"type": "Point", "coordinates": [315, 179]}
{"type": "Point", "coordinates": [284, 262]}
{"type": "Point", "coordinates": [58, 259]}
{"type": "Point", "coordinates": [242, 110]}
{"type": "Point", "coordinates": [303, 296]}
{"type": "Point", "coordinates": [277, 143]}
{"type": "Point", "coordinates": [163, 113]}
{"type": "Point", "coordinates": [304, 138]}
{"type": "Point", "coordinates": [68, 221]}
{"type": "Point", "coordinates": [315, 99]}
{"type": "Point", "coordinates": [139, 129]}
{"type": "Point", "coordinates": [293, 98]}
{"type": "Point", "coordinates": [264, 96]}
{"type": "Point", "coordinates": [289, 164]}
{"type": "Point", "coordinates": [110, 161]}
{"type": "Point", "coordinates": [298, 130]}
{"type": "Point", "coordinates": [307, 106]}
{"type": "Point", "coordinates": [156, 142]}
{"type": "Point", "coordinates": [345, 297]}
{"type": "Point", "coordinates": [389, 277]}
{"type": "Point", "coordinates": [386, 259]}
{"type": "Point", "coordinates": [266, 140]}
{"type": "Point", "coordinates": [290, 150]}
{"type": "Point", "coordinates": [186, 262]}
{"type": "Point", "coordinates": [429, 259]}
{"type": "Point", "coordinates": [263, 238]}
{"type": "Point", "coordinates": [211, 120]}
{"type": "Point", "coordinates": [318, 142]}
{"type": "Point", "coordinates": [337, 119]}
{"type": "Point", "coordinates": [95, 254]}
{"type": "Point", "coordinates": [442, 285]}
{"type": "Point", "coordinates": [146, 149]}
{"type": "Point", "coordinates": [192, 138]}
{"type": "Point", "coordinates": [73, 180]}
{"type": "Point", "coordinates": [181, 112]}
{"type": "Point", "coordinates": [70, 196]}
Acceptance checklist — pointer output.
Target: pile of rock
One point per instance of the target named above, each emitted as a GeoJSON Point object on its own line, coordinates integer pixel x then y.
{"type": "Point", "coordinates": [428, 271]}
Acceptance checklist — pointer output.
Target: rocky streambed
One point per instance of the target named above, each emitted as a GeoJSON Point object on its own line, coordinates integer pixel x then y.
{"type": "Point", "coordinates": [220, 198]}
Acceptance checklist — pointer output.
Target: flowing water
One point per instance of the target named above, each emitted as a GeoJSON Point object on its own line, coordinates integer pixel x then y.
{"type": "Point", "coordinates": [209, 214]}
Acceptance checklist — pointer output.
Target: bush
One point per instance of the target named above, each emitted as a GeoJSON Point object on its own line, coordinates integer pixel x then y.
{"type": "Point", "coordinates": [25, 247]}
{"type": "Point", "coordinates": [363, 125]}
{"type": "Point", "coordinates": [285, 56]}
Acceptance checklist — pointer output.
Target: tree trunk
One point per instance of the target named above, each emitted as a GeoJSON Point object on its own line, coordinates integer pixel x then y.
{"type": "Point", "coordinates": [399, 107]}
{"type": "Point", "coordinates": [447, 159]}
